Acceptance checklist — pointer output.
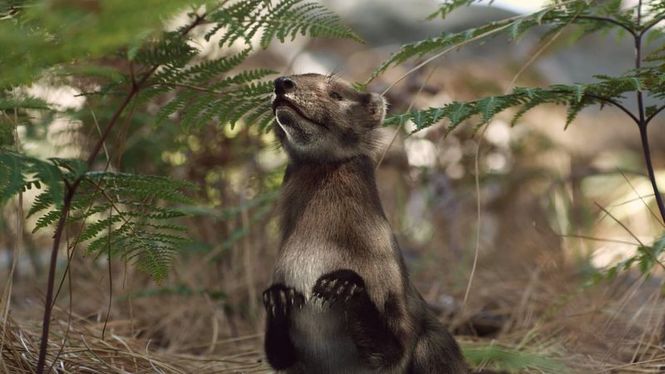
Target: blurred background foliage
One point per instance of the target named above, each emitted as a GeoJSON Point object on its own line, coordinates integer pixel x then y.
{"type": "Point", "coordinates": [558, 210]}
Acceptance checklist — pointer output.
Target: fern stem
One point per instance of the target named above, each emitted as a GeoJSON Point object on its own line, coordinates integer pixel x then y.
{"type": "Point", "coordinates": [643, 122]}
{"type": "Point", "coordinates": [653, 115]}
{"type": "Point", "coordinates": [48, 307]}
{"type": "Point", "coordinates": [615, 104]}
{"type": "Point", "coordinates": [653, 23]}
{"type": "Point", "coordinates": [70, 191]}
{"type": "Point", "coordinates": [609, 20]}
{"type": "Point", "coordinates": [443, 52]}
{"type": "Point", "coordinates": [644, 138]}
{"type": "Point", "coordinates": [638, 64]}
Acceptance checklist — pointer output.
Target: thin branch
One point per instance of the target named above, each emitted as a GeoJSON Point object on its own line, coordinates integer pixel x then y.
{"type": "Point", "coordinates": [653, 214]}
{"type": "Point", "coordinates": [629, 201]}
{"type": "Point", "coordinates": [616, 104]}
{"type": "Point", "coordinates": [535, 56]}
{"type": "Point", "coordinates": [620, 223]}
{"type": "Point", "coordinates": [445, 51]}
{"type": "Point", "coordinates": [478, 215]}
{"type": "Point", "coordinates": [71, 253]}
{"type": "Point", "coordinates": [653, 115]}
{"type": "Point", "coordinates": [610, 20]}
{"type": "Point", "coordinates": [114, 119]}
{"type": "Point", "coordinates": [193, 87]}
{"type": "Point", "coordinates": [399, 128]}
{"type": "Point", "coordinates": [595, 239]}
{"type": "Point", "coordinates": [631, 234]}
{"type": "Point", "coordinates": [653, 23]}
{"type": "Point", "coordinates": [498, 29]}
{"type": "Point", "coordinates": [638, 65]}
{"type": "Point", "coordinates": [48, 307]}
{"type": "Point", "coordinates": [69, 315]}
{"type": "Point", "coordinates": [108, 310]}
{"type": "Point", "coordinates": [644, 138]}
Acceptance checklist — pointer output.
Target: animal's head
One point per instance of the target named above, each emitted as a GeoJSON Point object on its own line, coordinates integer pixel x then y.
{"type": "Point", "coordinates": [323, 119]}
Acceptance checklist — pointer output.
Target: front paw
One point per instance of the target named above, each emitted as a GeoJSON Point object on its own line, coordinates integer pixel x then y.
{"type": "Point", "coordinates": [280, 300]}
{"type": "Point", "coordinates": [338, 286]}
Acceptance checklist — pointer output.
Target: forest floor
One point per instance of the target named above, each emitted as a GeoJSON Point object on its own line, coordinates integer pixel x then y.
{"type": "Point", "coordinates": [543, 326]}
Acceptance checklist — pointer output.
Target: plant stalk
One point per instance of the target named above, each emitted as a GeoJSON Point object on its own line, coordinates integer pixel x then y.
{"type": "Point", "coordinates": [70, 191]}
{"type": "Point", "coordinates": [48, 305]}
{"type": "Point", "coordinates": [643, 122]}
{"type": "Point", "coordinates": [652, 175]}
{"type": "Point", "coordinates": [66, 207]}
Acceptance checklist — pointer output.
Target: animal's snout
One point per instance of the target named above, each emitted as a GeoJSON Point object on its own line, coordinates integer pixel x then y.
{"type": "Point", "coordinates": [284, 85]}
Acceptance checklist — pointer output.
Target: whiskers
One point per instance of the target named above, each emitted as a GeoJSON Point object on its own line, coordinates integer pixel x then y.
{"type": "Point", "coordinates": [333, 76]}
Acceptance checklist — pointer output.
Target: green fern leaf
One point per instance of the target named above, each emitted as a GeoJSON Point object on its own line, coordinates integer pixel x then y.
{"type": "Point", "coordinates": [282, 20]}
{"type": "Point", "coordinates": [448, 6]}
{"type": "Point", "coordinates": [94, 229]}
{"type": "Point", "coordinates": [458, 112]}
{"type": "Point", "coordinates": [12, 180]}
{"type": "Point", "coordinates": [47, 219]}
{"type": "Point", "coordinates": [573, 110]}
{"type": "Point", "coordinates": [43, 201]}
{"type": "Point", "coordinates": [487, 108]}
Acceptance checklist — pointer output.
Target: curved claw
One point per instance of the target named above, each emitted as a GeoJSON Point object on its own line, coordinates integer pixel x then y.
{"type": "Point", "coordinates": [340, 285]}
{"type": "Point", "coordinates": [279, 300]}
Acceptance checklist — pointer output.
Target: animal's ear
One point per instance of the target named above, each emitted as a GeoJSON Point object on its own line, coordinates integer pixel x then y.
{"type": "Point", "coordinates": [377, 107]}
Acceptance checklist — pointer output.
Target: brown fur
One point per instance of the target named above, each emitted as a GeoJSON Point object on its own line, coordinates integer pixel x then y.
{"type": "Point", "coordinates": [341, 301]}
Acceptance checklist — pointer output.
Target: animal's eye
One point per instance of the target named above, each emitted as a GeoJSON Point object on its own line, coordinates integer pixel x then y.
{"type": "Point", "coordinates": [336, 96]}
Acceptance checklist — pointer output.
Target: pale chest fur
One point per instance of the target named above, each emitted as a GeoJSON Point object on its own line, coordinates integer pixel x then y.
{"type": "Point", "coordinates": [308, 255]}
{"type": "Point", "coordinates": [319, 334]}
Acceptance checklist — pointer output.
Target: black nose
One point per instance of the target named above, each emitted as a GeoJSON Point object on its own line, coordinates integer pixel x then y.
{"type": "Point", "coordinates": [284, 85]}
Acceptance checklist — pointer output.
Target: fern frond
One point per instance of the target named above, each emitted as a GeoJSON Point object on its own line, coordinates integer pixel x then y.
{"type": "Point", "coordinates": [47, 219]}
{"type": "Point", "coordinates": [453, 40]}
{"type": "Point", "coordinates": [12, 180]}
{"type": "Point", "coordinates": [128, 211]}
{"type": "Point", "coordinates": [282, 20]}
{"type": "Point", "coordinates": [575, 97]}
{"type": "Point", "coordinates": [227, 100]}
{"type": "Point", "coordinates": [19, 173]}
{"type": "Point", "coordinates": [22, 102]}
{"type": "Point", "coordinates": [587, 15]}
{"type": "Point", "coordinates": [94, 229]}
{"type": "Point", "coordinates": [292, 17]}
{"type": "Point", "coordinates": [201, 72]}
{"type": "Point", "coordinates": [43, 201]}
{"type": "Point", "coordinates": [450, 5]}
{"type": "Point", "coordinates": [132, 218]}
{"type": "Point", "coordinates": [171, 49]}
{"type": "Point", "coordinates": [646, 257]}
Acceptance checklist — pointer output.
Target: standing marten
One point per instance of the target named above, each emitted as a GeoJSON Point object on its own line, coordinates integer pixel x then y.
{"type": "Point", "coordinates": [341, 299]}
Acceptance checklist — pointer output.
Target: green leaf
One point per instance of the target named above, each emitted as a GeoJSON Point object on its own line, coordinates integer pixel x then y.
{"type": "Point", "coordinates": [554, 17]}
{"type": "Point", "coordinates": [510, 359]}
{"type": "Point", "coordinates": [579, 92]}
{"type": "Point", "coordinates": [448, 6]}
{"type": "Point", "coordinates": [458, 113]}
{"type": "Point", "coordinates": [573, 111]}
{"type": "Point", "coordinates": [282, 20]}
{"type": "Point", "coordinates": [487, 108]}
{"type": "Point", "coordinates": [51, 33]}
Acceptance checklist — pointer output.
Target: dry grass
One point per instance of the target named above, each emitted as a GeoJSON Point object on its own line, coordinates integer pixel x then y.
{"type": "Point", "coordinates": [85, 351]}
{"type": "Point", "coordinates": [548, 324]}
